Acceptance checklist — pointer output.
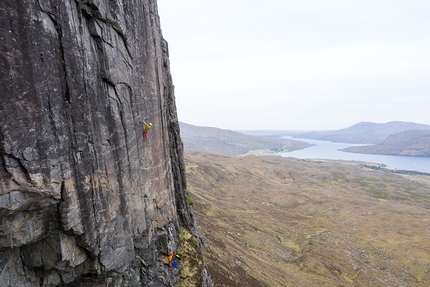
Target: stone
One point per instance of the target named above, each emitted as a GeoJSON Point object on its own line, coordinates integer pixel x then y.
{"type": "Point", "coordinates": [81, 193]}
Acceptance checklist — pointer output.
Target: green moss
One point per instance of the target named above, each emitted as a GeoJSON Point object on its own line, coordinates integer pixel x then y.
{"type": "Point", "coordinates": [184, 234]}
{"type": "Point", "coordinates": [190, 200]}
{"type": "Point", "coordinates": [191, 263]}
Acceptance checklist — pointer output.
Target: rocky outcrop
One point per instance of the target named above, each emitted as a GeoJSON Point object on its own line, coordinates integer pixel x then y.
{"type": "Point", "coordinates": [84, 200]}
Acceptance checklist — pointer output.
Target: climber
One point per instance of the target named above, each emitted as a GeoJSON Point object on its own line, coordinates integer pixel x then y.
{"type": "Point", "coordinates": [175, 264]}
{"type": "Point", "coordinates": [146, 128]}
{"type": "Point", "coordinates": [170, 258]}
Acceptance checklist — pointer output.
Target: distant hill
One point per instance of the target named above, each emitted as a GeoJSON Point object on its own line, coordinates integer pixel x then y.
{"type": "Point", "coordinates": [230, 143]}
{"type": "Point", "coordinates": [408, 143]}
{"type": "Point", "coordinates": [272, 133]}
{"type": "Point", "coordinates": [364, 132]}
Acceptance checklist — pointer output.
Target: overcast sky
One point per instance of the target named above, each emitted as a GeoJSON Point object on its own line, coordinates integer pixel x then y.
{"type": "Point", "coordinates": [298, 65]}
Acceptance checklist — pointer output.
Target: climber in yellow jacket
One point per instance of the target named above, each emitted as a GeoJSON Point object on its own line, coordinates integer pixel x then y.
{"type": "Point", "coordinates": [146, 128]}
{"type": "Point", "coordinates": [168, 260]}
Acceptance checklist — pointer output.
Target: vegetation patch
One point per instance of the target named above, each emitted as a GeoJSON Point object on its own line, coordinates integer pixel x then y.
{"type": "Point", "coordinates": [378, 193]}
{"type": "Point", "coordinates": [420, 196]}
{"type": "Point", "coordinates": [190, 261]}
{"type": "Point", "coordinates": [189, 200]}
{"type": "Point", "coordinates": [292, 245]}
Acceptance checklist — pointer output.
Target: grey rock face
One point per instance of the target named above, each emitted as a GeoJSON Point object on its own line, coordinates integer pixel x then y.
{"type": "Point", "coordinates": [84, 200]}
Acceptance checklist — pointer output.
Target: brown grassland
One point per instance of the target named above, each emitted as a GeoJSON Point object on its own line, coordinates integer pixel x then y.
{"type": "Point", "coordinates": [272, 221]}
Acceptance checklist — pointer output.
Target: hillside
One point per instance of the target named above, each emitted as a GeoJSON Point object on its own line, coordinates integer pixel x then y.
{"type": "Point", "coordinates": [231, 143]}
{"type": "Point", "coordinates": [364, 132]}
{"type": "Point", "coordinates": [409, 143]}
{"type": "Point", "coordinates": [272, 133]}
{"type": "Point", "coordinates": [272, 221]}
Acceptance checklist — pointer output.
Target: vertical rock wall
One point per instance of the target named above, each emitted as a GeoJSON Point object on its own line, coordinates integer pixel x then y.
{"type": "Point", "coordinates": [84, 200]}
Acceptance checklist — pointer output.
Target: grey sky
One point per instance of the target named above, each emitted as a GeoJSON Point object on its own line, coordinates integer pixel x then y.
{"type": "Point", "coordinates": [308, 64]}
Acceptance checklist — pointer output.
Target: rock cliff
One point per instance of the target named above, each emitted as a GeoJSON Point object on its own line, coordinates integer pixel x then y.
{"type": "Point", "coordinates": [84, 200]}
